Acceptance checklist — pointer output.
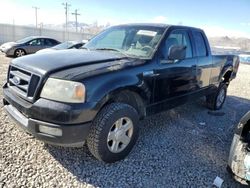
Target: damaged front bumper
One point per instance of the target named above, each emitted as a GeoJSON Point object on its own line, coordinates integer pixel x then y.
{"type": "Point", "coordinates": [239, 156]}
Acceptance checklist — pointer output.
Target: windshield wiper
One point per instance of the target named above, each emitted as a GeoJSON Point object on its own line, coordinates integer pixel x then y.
{"type": "Point", "coordinates": [112, 49]}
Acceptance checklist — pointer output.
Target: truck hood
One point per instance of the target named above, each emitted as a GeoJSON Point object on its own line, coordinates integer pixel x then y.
{"type": "Point", "coordinates": [64, 59]}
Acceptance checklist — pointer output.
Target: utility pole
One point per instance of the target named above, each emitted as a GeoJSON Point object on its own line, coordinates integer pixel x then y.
{"type": "Point", "coordinates": [76, 14]}
{"type": "Point", "coordinates": [36, 8]}
{"type": "Point", "coordinates": [41, 27]}
{"type": "Point", "coordinates": [66, 7]}
{"type": "Point", "coordinates": [13, 31]}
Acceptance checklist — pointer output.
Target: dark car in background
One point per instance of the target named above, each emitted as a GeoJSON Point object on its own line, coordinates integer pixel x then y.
{"type": "Point", "coordinates": [63, 46]}
{"type": "Point", "coordinates": [28, 45]}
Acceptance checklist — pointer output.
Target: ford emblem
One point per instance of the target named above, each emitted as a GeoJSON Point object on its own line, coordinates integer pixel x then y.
{"type": "Point", "coordinates": [16, 80]}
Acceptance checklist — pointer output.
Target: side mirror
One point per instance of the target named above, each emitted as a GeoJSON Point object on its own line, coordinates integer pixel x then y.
{"type": "Point", "coordinates": [177, 52]}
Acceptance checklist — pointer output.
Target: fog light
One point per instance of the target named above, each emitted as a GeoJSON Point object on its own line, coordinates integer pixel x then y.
{"type": "Point", "coordinates": [50, 130]}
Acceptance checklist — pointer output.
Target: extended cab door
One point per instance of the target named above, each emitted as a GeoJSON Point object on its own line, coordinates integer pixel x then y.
{"type": "Point", "coordinates": [175, 79]}
{"type": "Point", "coordinates": [205, 62]}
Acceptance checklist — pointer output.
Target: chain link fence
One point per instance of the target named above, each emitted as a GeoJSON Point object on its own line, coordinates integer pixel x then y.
{"type": "Point", "coordinates": [9, 33]}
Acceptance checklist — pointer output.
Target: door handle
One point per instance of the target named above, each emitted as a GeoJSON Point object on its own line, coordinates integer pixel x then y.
{"type": "Point", "coordinates": [150, 74]}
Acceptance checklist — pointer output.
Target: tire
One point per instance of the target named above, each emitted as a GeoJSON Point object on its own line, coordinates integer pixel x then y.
{"type": "Point", "coordinates": [216, 100]}
{"type": "Point", "coordinates": [19, 52]}
{"type": "Point", "coordinates": [104, 140]}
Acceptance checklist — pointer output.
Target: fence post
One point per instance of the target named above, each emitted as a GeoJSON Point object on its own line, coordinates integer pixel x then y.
{"type": "Point", "coordinates": [13, 31]}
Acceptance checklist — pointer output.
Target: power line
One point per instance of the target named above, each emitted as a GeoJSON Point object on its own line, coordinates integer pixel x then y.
{"type": "Point", "coordinates": [66, 7]}
{"type": "Point", "coordinates": [76, 14]}
{"type": "Point", "coordinates": [36, 8]}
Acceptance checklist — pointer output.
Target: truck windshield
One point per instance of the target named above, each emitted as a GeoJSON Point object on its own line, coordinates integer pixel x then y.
{"type": "Point", "coordinates": [134, 41]}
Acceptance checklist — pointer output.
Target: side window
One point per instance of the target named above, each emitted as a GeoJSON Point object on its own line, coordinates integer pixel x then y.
{"type": "Point", "coordinates": [48, 42]}
{"type": "Point", "coordinates": [53, 42]}
{"type": "Point", "coordinates": [200, 44]}
{"type": "Point", "coordinates": [40, 42]}
{"type": "Point", "coordinates": [33, 42]}
{"type": "Point", "coordinates": [36, 42]}
{"type": "Point", "coordinates": [178, 37]}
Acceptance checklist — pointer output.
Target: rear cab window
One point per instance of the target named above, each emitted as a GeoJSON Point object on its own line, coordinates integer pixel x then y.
{"type": "Point", "coordinates": [201, 49]}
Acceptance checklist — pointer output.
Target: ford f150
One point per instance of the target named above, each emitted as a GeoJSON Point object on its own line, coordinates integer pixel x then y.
{"type": "Point", "coordinates": [122, 75]}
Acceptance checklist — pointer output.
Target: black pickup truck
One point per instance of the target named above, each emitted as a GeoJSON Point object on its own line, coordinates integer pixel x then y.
{"type": "Point", "coordinates": [122, 75]}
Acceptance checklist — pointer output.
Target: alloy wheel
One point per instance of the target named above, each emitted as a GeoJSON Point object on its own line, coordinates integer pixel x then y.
{"type": "Point", "coordinates": [120, 135]}
{"type": "Point", "coordinates": [19, 53]}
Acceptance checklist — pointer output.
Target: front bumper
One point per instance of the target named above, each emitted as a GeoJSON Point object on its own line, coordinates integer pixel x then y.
{"type": "Point", "coordinates": [72, 135]}
{"type": "Point", "coordinates": [239, 156]}
{"type": "Point", "coordinates": [72, 120]}
{"type": "Point", "coordinates": [8, 51]}
{"type": "Point", "coordinates": [238, 159]}
{"type": "Point", "coordinates": [51, 111]}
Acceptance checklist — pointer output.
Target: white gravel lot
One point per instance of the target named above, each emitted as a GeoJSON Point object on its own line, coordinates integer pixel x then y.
{"type": "Point", "coordinates": [184, 147]}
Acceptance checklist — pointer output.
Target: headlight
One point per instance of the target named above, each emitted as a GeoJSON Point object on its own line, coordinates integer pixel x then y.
{"type": "Point", "coordinates": [63, 90]}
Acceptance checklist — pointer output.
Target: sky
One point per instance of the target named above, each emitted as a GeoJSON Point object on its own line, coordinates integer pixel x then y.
{"type": "Point", "coordinates": [216, 17]}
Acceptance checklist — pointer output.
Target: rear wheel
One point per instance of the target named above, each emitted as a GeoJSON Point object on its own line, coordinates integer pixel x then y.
{"type": "Point", "coordinates": [216, 100]}
{"type": "Point", "coordinates": [19, 52]}
{"type": "Point", "coordinates": [114, 132]}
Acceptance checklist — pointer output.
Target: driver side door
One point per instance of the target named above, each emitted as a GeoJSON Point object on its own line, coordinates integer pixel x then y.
{"type": "Point", "coordinates": [175, 79]}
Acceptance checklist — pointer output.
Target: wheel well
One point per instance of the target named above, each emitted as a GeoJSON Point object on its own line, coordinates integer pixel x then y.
{"type": "Point", "coordinates": [131, 98]}
{"type": "Point", "coordinates": [20, 49]}
{"type": "Point", "coordinates": [227, 76]}
{"type": "Point", "coordinates": [245, 132]}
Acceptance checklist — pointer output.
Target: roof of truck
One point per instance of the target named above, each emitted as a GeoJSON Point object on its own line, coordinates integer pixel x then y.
{"type": "Point", "coordinates": [146, 24]}
{"type": "Point", "coordinates": [161, 25]}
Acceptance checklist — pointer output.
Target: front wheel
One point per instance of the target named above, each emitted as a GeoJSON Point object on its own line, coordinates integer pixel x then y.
{"type": "Point", "coordinates": [114, 132]}
{"type": "Point", "coordinates": [216, 100]}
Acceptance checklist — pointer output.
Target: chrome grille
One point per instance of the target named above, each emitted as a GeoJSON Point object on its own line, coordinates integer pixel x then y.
{"type": "Point", "coordinates": [23, 82]}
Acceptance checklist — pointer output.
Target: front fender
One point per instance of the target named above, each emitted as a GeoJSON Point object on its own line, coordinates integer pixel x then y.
{"type": "Point", "coordinates": [242, 127]}
{"type": "Point", "coordinates": [107, 88]}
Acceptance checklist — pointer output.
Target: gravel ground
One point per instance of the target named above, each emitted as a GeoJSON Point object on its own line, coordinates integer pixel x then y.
{"type": "Point", "coordinates": [184, 147]}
